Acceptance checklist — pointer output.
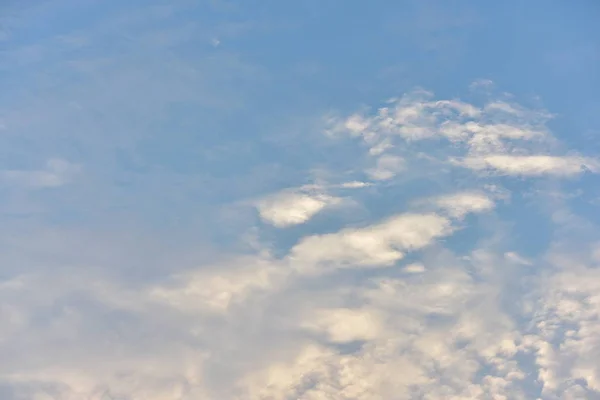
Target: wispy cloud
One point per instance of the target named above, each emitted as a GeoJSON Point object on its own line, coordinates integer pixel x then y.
{"type": "Point", "coordinates": [57, 173]}
{"type": "Point", "coordinates": [535, 165]}
{"type": "Point", "coordinates": [460, 204]}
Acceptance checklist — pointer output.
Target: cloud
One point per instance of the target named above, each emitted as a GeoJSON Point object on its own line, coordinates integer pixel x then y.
{"type": "Point", "coordinates": [290, 208]}
{"type": "Point", "coordinates": [535, 165]}
{"type": "Point", "coordinates": [498, 136]}
{"type": "Point", "coordinates": [206, 291]}
{"type": "Point", "coordinates": [344, 325]}
{"type": "Point", "coordinates": [460, 204]}
{"type": "Point", "coordinates": [387, 166]}
{"type": "Point", "coordinates": [57, 173]}
{"type": "Point", "coordinates": [413, 117]}
{"type": "Point", "coordinates": [516, 258]}
{"type": "Point", "coordinates": [407, 299]}
{"type": "Point", "coordinates": [414, 268]}
{"type": "Point", "coordinates": [417, 337]}
{"type": "Point", "coordinates": [403, 345]}
{"type": "Point", "coordinates": [380, 244]}
{"type": "Point", "coordinates": [354, 185]}
{"type": "Point", "coordinates": [213, 291]}
{"type": "Point", "coordinates": [566, 337]}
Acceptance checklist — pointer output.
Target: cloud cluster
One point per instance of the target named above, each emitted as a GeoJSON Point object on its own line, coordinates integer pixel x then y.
{"type": "Point", "coordinates": [497, 137]}
{"type": "Point", "coordinates": [428, 300]}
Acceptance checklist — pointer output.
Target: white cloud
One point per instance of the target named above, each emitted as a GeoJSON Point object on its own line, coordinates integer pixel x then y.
{"type": "Point", "coordinates": [500, 136]}
{"type": "Point", "coordinates": [354, 185]}
{"type": "Point", "coordinates": [380, 147]}
{"type": "Point", "coordinates": [534, 165]}
{"type": "Point", "coordinates": [406, 349]}
{"type": "Point", "coordinates": [376, 245]}
{"type": "Point", "coordinates": [290, 208]}
{"type": "Point", "coordinates": [566, 338]}
{"type": "Point", "coordinates": [414, 268]}
{"type": "Point", "coordinates": [458, 205]}
{"type": "Point", "coordinates": [344, 324]}
{"type": "Point", "coordinates": [216, 290]}
{"type": "Point", "coordinates": [387, 166]}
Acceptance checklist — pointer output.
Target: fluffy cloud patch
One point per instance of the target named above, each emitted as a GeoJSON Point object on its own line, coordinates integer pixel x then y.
{"type": "Point", "coordinates": [293, 207]}
{"type": "Point", "coordinates": [377, 245]}
{"type": "Point", "coordinates": [460, 204]}
{"type": "Point", "coordinates": [566, 338]}
{"type": "Point", "coordinates": [431, 337]}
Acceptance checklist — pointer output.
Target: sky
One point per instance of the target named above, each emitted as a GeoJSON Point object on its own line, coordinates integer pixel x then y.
{"type": "Point", "coordinates": [311, 200]}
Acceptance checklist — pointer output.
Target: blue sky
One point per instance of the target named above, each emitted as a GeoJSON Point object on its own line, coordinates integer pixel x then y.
{"type": "Point", "coordinates": [279, 200]}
